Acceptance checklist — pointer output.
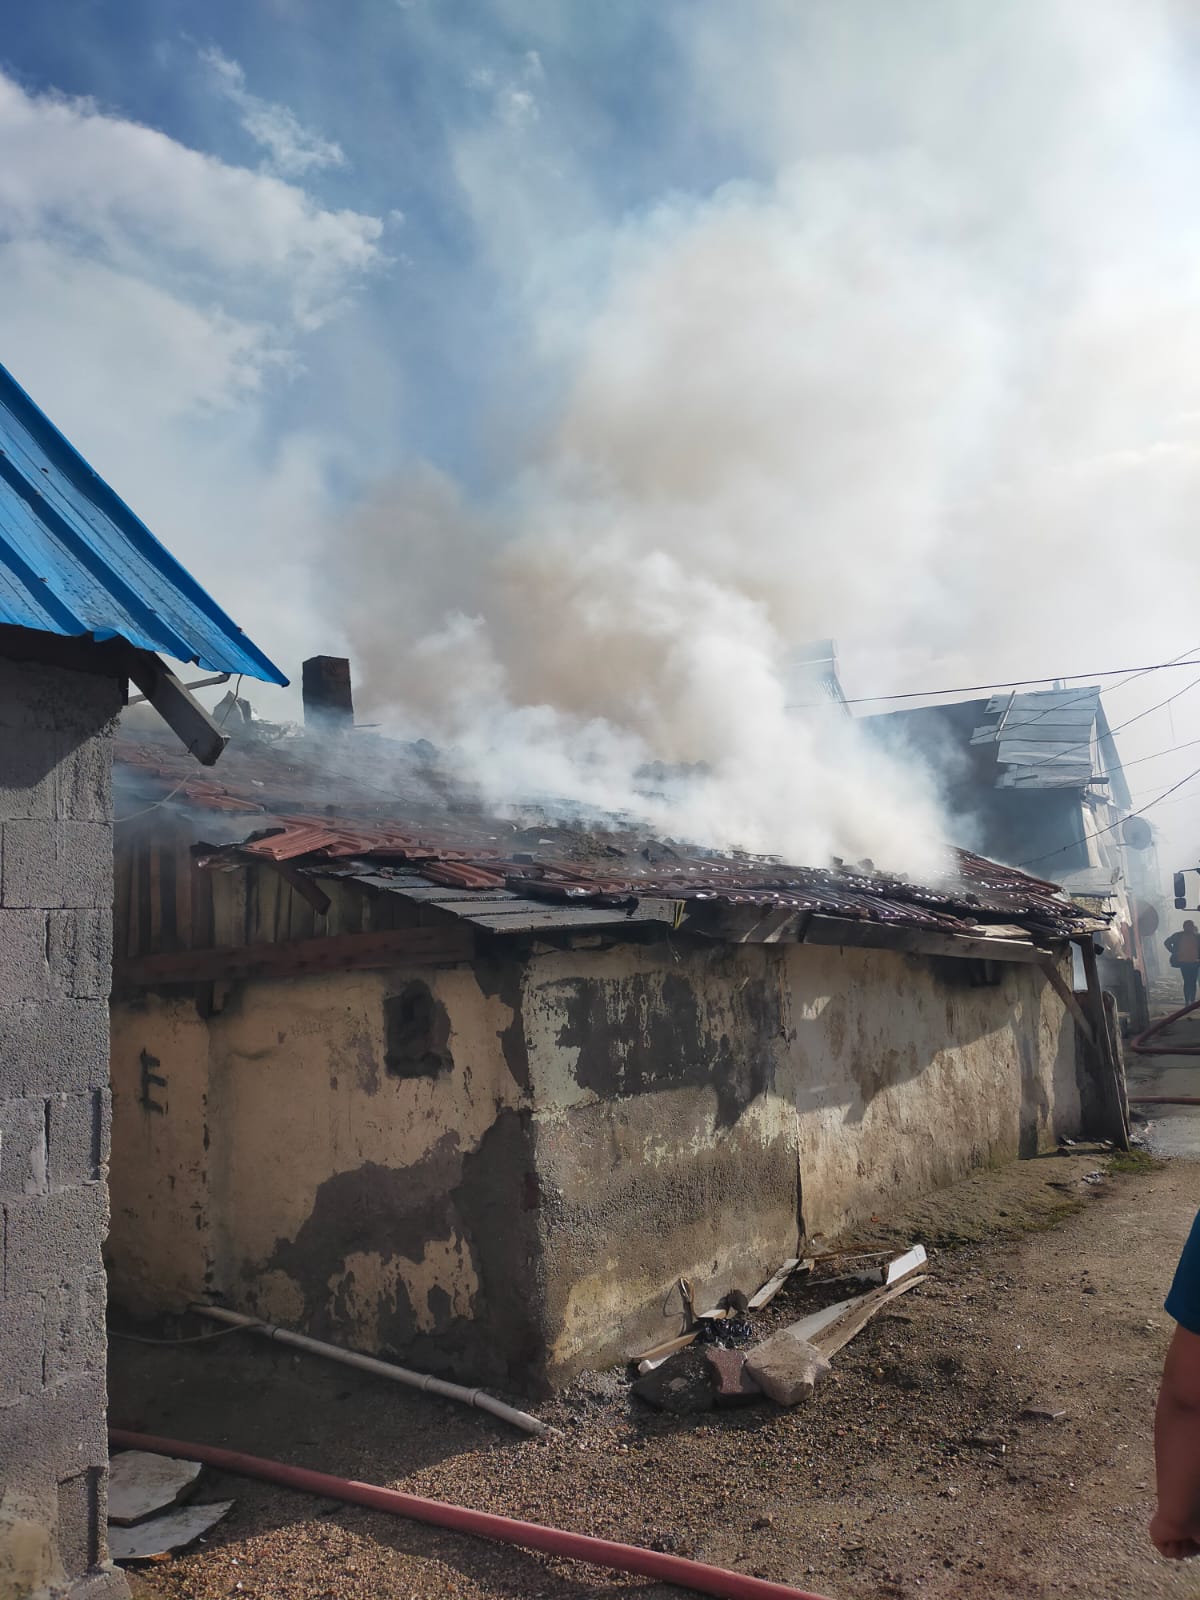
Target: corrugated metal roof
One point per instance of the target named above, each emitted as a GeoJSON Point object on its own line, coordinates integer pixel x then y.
{"type": "Point", "coordinates": [74, 559]}
{"type": "Point", "coordinates": [508, 880]}
{"type": "Point", "coordinates": [527, 893]}
{"type": "Point", "coordinates": [1043, 739]}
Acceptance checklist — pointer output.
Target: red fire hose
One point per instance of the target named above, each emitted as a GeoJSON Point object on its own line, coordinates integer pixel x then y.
{"type": "Point", "coordinates": [530, 1535]}
{"type": "Point", "coordinates": [1142, 1045]}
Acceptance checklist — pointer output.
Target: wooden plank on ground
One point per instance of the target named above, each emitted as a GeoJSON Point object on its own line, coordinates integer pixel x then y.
{"type": "Point", "coordinates": [848, 1326]}
{"type": "Point", "coordinates": [771, 1288]}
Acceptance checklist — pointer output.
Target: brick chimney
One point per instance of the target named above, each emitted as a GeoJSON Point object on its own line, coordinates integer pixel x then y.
{"type": "Point", "coordinates": [328, 700]}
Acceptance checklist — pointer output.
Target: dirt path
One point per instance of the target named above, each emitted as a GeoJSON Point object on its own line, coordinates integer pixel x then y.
{"type": "Point", "coordinates": [913, 1474]}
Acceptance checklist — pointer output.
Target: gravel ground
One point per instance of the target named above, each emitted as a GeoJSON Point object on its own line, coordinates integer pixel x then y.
{"type": "Point", "coordinates": [912, 1474]}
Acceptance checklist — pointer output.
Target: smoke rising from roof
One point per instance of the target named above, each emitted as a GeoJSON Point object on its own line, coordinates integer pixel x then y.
{"type": "Point", "coordinates": [914, 384]}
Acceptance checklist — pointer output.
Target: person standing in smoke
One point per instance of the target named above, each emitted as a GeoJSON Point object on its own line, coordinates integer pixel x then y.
{"type": "Point", "coordinates": [1185, 954]}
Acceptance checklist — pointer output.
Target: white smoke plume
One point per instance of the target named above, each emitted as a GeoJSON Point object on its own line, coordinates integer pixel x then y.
{"type": "Point", "coordinates": [917, 386]}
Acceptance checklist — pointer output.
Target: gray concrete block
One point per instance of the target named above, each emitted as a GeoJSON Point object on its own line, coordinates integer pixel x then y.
{"type": "Point", "coordinates": [89, 703]}
{"type": "Point", "coordinates": [55, 1433]}
{"type": "Point", "coordinates": [23, 1346]}
{"type": "Point", "coordinates": [89, 854]}
{"type": "Point", "coordinates": [52, 1238]}
{"type": "Point", "coordinates": [85, 777]}
{"type": "Point", "coordinates": [29, 696]}
{"type": "Point", "coordinates": [79, 950]}
{"type": "Point", "coordinates": [80, 1528]}
{"type": "Point", "coordinates": [23, 1148]}
{"type": "Point", "coordinates": [24, 970]}
{"type": "Point", "coordinates": [32, 863]}
{"type": "Point", "coordinates": [29, 778]}
{"type": "Point", "coordinates": [40, 697]}
{"type": "Point", "coordinates": [80, 1127]}
{"type": "Point", "coordinates": [53, 863]}
{"type": "Point", "coordinates": [75, 1336]}
{"type": "Point", "coordinates": [47, 1046]}
{"type": "Point", "coordinates": [106, 1583]}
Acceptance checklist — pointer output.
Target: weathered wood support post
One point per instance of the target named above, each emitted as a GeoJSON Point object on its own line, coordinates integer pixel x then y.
{"type": "Point", "coordinates": [1105, 1050]}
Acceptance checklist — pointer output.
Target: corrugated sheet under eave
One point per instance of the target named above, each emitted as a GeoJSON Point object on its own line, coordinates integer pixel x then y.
{"type": "Point", "coordinates": [500, 911]}
{"type": "Point", "coordinates": [75, 560]}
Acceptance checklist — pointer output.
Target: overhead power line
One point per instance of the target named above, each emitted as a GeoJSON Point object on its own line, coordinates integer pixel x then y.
{"type": "Point", "coordinates": [1170, 750]}
{"type": "Point", "coordinates": [1009, 683]}
{"type": "Point", "coordinates": [1060, 706]}
{"type": "Point", "coordinates": [1086, 744]}
{"type": "Point", "coordinates": [1108, 827]}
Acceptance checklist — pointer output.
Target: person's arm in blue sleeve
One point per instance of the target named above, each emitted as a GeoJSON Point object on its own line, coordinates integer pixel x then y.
{"type": "Point", "coordinates": [1175, 1529]}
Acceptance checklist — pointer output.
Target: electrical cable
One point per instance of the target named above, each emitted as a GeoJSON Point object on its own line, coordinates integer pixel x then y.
{"type": "Point", "coordinates": [1086, 744]}
{"type": "Point", "coordinates": [187, 777]}
{"type": "Point", "coordinates": [1012, 683]}
{"type": "Point", "coordinates": [1108, 827]}
{"type": "Point", "coordinates": [1169, 750]}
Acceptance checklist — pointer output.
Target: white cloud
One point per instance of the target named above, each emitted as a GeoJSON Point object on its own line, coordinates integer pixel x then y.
{"type": "Point", "coordinates": [154, 299]}
{"type": "Point", "coordinates": [512, 98]}
{"type": "Point", "coordinates": [292, 149]}
{"type": "Point", "coordinates": [517, 107]}
{"type": "Point", "coordinates": [145, 204]}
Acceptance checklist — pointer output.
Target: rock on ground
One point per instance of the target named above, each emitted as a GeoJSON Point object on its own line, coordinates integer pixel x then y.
{"type": "Point", "coordinates": [682, 1385]}
{"type": "Point", "coordinates": [787, 1369]}
{"type": "Point", "coordinates": [732, 1384]}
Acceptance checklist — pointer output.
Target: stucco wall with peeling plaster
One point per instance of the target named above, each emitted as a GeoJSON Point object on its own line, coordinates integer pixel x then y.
{"type": "Point", "coordinates": [609, 1121]}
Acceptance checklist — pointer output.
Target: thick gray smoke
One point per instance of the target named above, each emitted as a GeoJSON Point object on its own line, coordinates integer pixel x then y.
{"type": "Point", "coordinates": [925, 384]}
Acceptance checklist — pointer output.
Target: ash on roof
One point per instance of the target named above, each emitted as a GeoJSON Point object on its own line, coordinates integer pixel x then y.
{"type": "Point", "coordinates": [400, 831]}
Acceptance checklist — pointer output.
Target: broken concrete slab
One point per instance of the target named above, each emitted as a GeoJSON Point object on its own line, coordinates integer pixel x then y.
{"type": "Point", "coordinates": [160, 1536]}
{"type": "Point", "coordinates": [732, 1384]}
{"type": "Point", "coordinates": [139, 1484]}
{"type": "Point", "coordinates": [786, 1369]}
{"type": "Point", "coordinates": [682, 1385]}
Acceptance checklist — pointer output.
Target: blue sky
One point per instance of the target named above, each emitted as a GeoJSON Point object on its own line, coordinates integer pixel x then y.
{"type": "Point", "coordinates": [571, 364]}
{"type": "Point", "coordinates": [411, 135]}
{"type": "Point", "coordinates": [393, 87]}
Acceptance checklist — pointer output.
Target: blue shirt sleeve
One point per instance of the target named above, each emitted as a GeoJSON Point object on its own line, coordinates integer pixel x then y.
{"type": "Point", "coordinates": [1183, 1302]}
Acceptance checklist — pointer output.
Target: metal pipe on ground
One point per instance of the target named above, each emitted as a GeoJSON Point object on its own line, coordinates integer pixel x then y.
{"type": "Point", "coordinates": [381, 1369]}
{"type": "Point", "coordinates": [694, 1575]}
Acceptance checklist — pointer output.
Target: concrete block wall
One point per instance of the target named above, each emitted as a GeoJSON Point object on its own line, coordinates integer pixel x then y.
{"type": "Point", "coordinates": [55, 968]}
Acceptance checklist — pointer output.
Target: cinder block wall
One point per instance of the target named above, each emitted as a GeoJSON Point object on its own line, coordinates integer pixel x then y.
{"type": "Point", "coordinates": [55, 968]}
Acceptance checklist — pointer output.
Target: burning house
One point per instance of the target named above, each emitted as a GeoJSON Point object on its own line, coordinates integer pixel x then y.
{"type": "Point", "coordinates": [477, 1092]}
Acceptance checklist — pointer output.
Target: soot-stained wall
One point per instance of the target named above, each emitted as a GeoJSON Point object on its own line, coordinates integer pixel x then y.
{"type": "Point", "coordinates": [515, 1193]}
{"type": "Point", "coordinates": [281, 1155]}
{"type": "Point", "coordinates": [698, 1108]}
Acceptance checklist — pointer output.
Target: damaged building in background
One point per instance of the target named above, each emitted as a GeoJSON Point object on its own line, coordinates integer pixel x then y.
{"type": "Point", "coordinates": [1037, 780]}
{"type": "Point", "coordinates": [477, 1092]}
{"type": "Point", "coordinates": [87, 599]}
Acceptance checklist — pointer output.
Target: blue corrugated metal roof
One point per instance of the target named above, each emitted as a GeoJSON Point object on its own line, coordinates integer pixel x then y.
{"type": "Point", "coordinates": [74, 559]}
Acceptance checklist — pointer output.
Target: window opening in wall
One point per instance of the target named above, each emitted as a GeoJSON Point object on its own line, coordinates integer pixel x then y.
{"type": "Point", "coordinates": [416, 1034]}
